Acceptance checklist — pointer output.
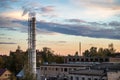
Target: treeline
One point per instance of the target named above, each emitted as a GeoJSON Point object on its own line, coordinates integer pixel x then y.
{"type": "Point", "coordinates": [101, 52]}
{"type": "Point", "coordinates": [18, 59]}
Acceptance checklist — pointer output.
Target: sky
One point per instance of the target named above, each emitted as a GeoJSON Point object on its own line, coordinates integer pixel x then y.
{"type": "Point", "coordinates": [61, 24]}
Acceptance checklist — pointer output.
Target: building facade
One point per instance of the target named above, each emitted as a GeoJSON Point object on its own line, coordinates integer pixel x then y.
{"type": "Point", "coordinates": [88, 75]}
{"type": "Point", "coordinates": [113, 75]}
{"type": "Point", "coordinates": [73, 59]}
{"type": "Point", "coordinates": [60, 70]}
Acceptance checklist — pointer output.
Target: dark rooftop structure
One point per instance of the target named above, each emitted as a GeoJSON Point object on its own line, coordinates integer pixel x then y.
{"type": "Point", "coordinates": [2, 71]}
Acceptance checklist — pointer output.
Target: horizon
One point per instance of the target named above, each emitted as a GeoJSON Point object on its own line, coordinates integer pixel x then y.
{"type": "Point", "coordinates": [61, 24]}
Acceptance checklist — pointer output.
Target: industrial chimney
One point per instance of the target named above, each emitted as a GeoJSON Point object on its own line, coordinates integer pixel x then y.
{"type": "Point", "coordinates": [32, 44]}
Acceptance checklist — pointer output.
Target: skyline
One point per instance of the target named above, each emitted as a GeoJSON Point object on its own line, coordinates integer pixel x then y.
{"type": "Point", "coordinates": [61, 24]}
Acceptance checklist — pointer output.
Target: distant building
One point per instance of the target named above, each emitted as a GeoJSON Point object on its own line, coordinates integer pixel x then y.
{"type": "Point", "coordinates": [113, 75]}
{"type": "Point", "coordinates": [52, 71]}
{"type": "Point", "coordinates": [73, 59]}
{"type": "Point", "coordinates": [102, 71]}
{"type": "Point", "coordinates": [88, 74]}
{"type": "Point", "coordinates": [5, 74]}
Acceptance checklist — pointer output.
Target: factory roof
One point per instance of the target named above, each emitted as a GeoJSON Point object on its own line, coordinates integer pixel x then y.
{"type": "Point", "coordinates": [89, 72]}
{"type": "Point", "coordinates": [71, 64]}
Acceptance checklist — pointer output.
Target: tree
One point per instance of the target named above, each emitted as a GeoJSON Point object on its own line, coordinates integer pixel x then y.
{"type": "Point", "coordinates": [1, 62]}
{"type": "Point", "coordinates": [86, 53]}
{"type": "Point", "coordinates": [101, 52]}
{"type": "Point", "coordinates": [93, 51]}
{"type": "Point", "coordinates": [111, 48]}
{"type": "Point", "coordinates": [76, 53]}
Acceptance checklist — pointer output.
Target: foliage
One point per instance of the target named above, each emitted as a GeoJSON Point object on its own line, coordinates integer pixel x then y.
{"type": "Point", "coordinates": [16, 61]}
{"type": "Point", "coordinates": [103, 52]}
{"type": "Point", "coordinates": [47, 56]}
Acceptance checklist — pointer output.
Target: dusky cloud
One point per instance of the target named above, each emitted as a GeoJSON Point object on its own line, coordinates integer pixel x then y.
{"type": "Point", "coordinates": [81, 30]}
{"type": "Point", "coordinates": [90, 29]}
{"type": "Point", "coordinates": [6, 22]}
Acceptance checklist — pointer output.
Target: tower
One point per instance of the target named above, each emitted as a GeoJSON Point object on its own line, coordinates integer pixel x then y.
{"type": "Point", "coordinates": [80, 49]}
{"type": "Point", "coordinates": [32, 43]}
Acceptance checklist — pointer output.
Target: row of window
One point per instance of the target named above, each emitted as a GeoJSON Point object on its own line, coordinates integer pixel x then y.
{"type": "Point", "coordinates": [7, 74]}
{"type": "Point", "coordinates": [83, 78]}
{"type": "Point", "coordinates": [57, 69]}
{"type": "Point", "coordinates": [88, 59]}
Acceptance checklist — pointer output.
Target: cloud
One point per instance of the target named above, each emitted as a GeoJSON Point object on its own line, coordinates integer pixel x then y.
{"type": "Point", "coordinates": [47, 9]}
{"type": "Point", "coordinates": [45, 32]}
{"type": "Point", "coordinates": [8, 43]}
{"type": "Point", "coordinates": [111, 4]}
{"type": "Point", "coordinates": [2, 34]}
{"type": "Point", "coordinates": [81, 30]}
{"type": "Point", "coordinates": [7, 4]}
{"type": "Point", "coordinates": [114, 23]}
{"type": "Point", "coordinates": [76, 20]}
{"type": "Point", "coordinates": [5, 38]}
{"type": "Point", "coordinates": [62, 42]}
{"type": "Point", "coordinates": [11, 24]}
{"type": "Point", "coordinates": [89, 29]}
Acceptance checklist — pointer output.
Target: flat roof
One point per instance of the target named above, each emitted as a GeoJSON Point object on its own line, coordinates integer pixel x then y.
{"type": "Point", "coordinates": [89, 72]}
{"type": "Point", "coordinates": [71, 64]}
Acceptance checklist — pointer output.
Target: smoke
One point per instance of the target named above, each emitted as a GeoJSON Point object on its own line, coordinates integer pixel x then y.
{"type": "Point", "coordinates": [32, 8]}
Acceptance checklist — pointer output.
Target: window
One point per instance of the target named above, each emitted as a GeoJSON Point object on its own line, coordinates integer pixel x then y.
{"type": "Point", "coordinates": [89, 78]}
{"type": "Point", "coordinates": [65, 69]}
{"type": "Point", "coordinates": [95, 79]}
{"type": "Point", "coordinates": [106, 60]}
{"type": "Point", "coordinates": [86, 59]}
{"type": "Point", "coordinates": [82, 59]}
{"type": "Point", "coordinates": [96, 60]}
{"type": "Point", "coordinates": [71, 78]}
{"type": "Point", "coordinates": [45, 68]}
{"type": "Point", "coordinates": [41, 68]}
{"type": "Point", "coordinates": [56, 69]}
{"type": "Point", "coordinates": [5, 74]}
{"type": "Point", "coordinates": [77, 78]}
{"type": "Point", "coordinates": [73, 59]}
{"type": "Point", "coordinates": [91, 60]}
{"type": "Point", "coordinates": [83, 78]}
{"type": "Point", "coordinates": [78, 59]}
{"type": "Point", "coordinates": [8, 74]}
{"type": "Point", "coordinates": [101, 60]}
